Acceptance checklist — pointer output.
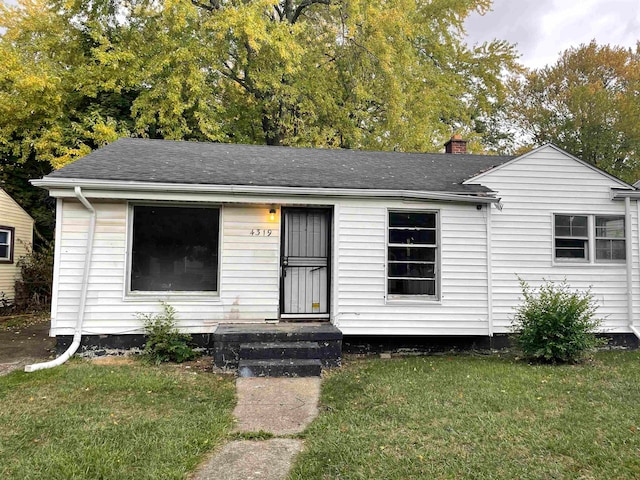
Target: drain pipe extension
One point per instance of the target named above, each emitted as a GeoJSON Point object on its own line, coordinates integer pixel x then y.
{"type": "Point", "coordinates": [77, 336]}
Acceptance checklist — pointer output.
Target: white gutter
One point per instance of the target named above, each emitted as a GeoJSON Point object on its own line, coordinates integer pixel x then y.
{"type": "Point", "coordinates": [77, 336]}
{"type": "Point", "coordinates": [629, 254]}
{"type": "Point", "coordinates": [619, 194]}
{"type": "Point", "coordinates": [111, 185]}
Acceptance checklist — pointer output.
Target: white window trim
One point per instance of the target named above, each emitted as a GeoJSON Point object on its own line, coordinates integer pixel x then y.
{"type": "Point", "coordinates": [591, 242]}
{"type": "Point", "coordinates": [623, 238]}
{"type": "Point", "coordinates": [168, 295]}
{"type": "Point", "coordinates": [588, 238]}
{"type": "Point", "coordinates": [10, 231]}
{"type": "Point", "coordinates": [412, 299]}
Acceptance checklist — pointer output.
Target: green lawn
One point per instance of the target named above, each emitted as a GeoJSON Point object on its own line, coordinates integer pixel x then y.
{"type": "Point", "coordinates": [424, 417]}
{"type": "Point", "coordinates": [88, 421]}
{"type": "Point", "coordinates": [477, 417]}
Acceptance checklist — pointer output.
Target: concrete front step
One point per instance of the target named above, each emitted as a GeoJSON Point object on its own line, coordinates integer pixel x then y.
{"type": "Point", "coordinates": [236, 342]}
{"type": "Point", "coordinates": [265, 332]}
{"type": "Point", "coordinates": [280, 368]}
{"type": "Point", "coordinates": [279, 350]}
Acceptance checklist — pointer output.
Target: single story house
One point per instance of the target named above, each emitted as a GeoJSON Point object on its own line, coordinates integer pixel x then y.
{"type": "Point", "coordinates": [376, 243]}
{"type": "Point", "coordinates": [16, 237]}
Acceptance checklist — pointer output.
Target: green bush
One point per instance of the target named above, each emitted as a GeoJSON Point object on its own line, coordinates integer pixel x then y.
{"type": "Point", "coordinates": [164, 342]}
{"type": "Point", "coordinates": [556, 324]}
{"type": "Point", "coordinates": [33, 287]}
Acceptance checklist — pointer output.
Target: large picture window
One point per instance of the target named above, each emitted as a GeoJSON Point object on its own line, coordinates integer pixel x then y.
{"type": "Point", "coordinates": [174, 249]}
{"type": "Point", "coordinates": [6, 244]}
{"type": "Point", "coordinates": [412, 254]}
{"type": "Point", "coordinates": [589, 238]}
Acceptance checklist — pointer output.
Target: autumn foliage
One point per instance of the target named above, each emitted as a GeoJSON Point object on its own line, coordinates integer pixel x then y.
{"type": "Point", "coordinates": [397, 74]}
{"type": "Point", "coordinates": [586, 103]}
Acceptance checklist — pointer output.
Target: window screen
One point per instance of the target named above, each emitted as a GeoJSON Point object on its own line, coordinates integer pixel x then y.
{"type": "Point", "coordinates": [174, 249]}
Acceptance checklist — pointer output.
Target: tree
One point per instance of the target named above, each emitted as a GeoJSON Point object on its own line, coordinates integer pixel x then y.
{"type": "Point", "coordinates": [47, 117]}
{"type": "Point", "coordinates": [355, 74]}
{"type": "Point", "coordinates": [586, 103]}
{"type": "Point", "coordinates": [346, 73]}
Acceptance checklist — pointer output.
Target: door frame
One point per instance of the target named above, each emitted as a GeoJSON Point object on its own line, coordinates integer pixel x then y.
{"type": "Point", "coordinates": [293, 317]}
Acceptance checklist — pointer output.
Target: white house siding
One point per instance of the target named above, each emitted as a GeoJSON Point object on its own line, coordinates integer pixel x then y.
{"type": "Point", "coordinates": [361, 276]}
{"type": "Point", "coordinates": [248, 273]}
{"type": "Point", "coordinates": [12, 215]}
{"type": "Point", "coordinates": [532, 189]}
{"type": "Point", "coordinates": [249, 279]}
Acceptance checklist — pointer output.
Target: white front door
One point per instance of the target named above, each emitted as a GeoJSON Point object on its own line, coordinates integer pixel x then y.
{"type": "Point", "coordinates": [305, 262]}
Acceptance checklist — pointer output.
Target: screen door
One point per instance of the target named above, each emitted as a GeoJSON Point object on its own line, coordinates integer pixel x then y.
{"type": "Point", "coordinates": [305, 261]}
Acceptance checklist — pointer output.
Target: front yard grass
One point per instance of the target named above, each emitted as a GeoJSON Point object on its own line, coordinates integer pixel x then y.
{"type": "Point", "coordinates": [477, 418]}
{"type": "Point", "coordinates": [133, 421]}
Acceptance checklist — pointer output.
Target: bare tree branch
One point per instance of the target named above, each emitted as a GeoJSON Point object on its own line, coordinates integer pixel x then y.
{"type": "Point", "coordinates": [303, 6]}
{"type": "Point", "coordinates": [280, 11]}
{"type": "Point", "coordinates": [233, 75]}
{"type": "Point", "coordinates": [211, 6]}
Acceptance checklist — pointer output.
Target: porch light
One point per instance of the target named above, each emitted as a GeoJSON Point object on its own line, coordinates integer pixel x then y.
{"type": "Point", "coordinates": [272, 215]}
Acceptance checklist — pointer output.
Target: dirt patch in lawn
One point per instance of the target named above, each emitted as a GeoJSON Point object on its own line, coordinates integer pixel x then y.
{"type": "Point", "coordinates": [24, 339]}
{"type": "Point", "coordinates": [113, 360]}
{"type": "Point", "coordinates": [203, 364]}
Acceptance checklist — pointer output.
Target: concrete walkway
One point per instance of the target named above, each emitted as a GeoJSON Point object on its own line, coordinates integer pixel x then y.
{"type": "Point", "coordinates": [280, 406]}
{"type": "Point", "coordinates": [251, 460]}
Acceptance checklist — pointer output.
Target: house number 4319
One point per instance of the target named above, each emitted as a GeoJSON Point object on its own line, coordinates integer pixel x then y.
{"type": "Point", "coordinates": [261, 232]}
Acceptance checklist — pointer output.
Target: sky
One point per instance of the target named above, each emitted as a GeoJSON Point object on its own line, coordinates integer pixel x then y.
{"type": "Point", "coordinates": [544, 28]}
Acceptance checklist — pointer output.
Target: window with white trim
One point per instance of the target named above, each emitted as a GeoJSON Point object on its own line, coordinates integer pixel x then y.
{"type": "Point", "coordinates": [572, 237]}
{"type": "Point", "coordinates": [610, 238]}
{"type": "Point", "coordinates": [6, 244]}
{"type": "Point", "coordinates": [412, 253]}
{"type": "Point", "coordinates": [174, 248]}
{"type": "Point", "coordinates": [589, 238]}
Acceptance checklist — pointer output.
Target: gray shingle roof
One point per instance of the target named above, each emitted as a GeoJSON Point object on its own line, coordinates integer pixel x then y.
{"type": "Point", "coordinates": [163, 161]}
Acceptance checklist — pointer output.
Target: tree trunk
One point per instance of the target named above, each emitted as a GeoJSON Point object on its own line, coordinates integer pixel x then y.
{"type": "Point", "coordinates": [272, 125]}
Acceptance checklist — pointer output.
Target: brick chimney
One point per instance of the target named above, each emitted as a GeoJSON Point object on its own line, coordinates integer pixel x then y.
{"type": "Point", "coordinates": [456, 145]}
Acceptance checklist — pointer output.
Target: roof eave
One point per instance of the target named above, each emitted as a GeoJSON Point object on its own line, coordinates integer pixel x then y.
{"type": "Point", "coordinates": [58, 188]}
{"type": "Point", "coordinates": [621, 194]}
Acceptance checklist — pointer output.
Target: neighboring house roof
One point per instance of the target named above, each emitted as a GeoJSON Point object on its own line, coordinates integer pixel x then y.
{"type": "Point", "coordinates": [179, 162]}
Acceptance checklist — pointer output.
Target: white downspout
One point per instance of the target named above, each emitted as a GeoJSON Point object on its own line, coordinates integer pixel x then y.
{"type": "Point", "coordinates": [77, 336]}
{"type": "Point", "coordinates": [489, 273]}
{"type": "Point", "coordinates": [629, 253]}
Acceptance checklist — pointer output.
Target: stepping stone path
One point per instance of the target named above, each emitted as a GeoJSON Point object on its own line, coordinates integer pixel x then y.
{"type": "Point", "coordinates": [251, 460]}
{"type": "Point", "coordinates": [280, 406]}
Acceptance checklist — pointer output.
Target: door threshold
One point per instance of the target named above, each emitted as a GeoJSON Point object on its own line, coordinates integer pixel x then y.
{"type": "Point", "coordinates": [310, 317]}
